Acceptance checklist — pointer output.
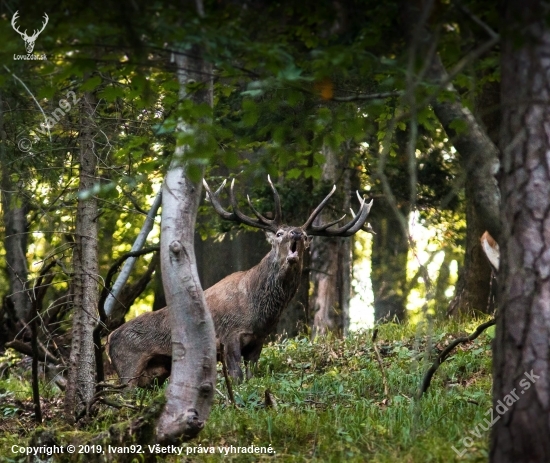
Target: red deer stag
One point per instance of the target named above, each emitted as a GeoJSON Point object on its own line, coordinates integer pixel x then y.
{"type": "Point", "coordinates": [245, 306]}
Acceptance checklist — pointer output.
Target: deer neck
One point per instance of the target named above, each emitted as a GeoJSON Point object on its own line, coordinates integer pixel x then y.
{"type": "Point", "coordinates": [274, 286]}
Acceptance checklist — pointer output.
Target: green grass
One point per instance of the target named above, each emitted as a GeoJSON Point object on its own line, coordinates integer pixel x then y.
{"type": "Point", "coordinates": [330, 402]}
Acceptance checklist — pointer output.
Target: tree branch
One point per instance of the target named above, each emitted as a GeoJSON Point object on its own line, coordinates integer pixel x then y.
{"type": "Point", "coordinates": [129, 264]}
{"type": "Point", "coordinates": [366, 96]}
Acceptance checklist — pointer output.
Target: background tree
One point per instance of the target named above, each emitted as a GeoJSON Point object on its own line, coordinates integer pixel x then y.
{"type": "Point", "coordinates": [81, 376]}
{"type": "Point", "coordinates": [522, 333]}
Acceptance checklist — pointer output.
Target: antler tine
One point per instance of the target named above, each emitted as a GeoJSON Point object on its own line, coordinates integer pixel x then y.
{"type": "Point", "coordinates": [318, 209]}
{"type": "Point", "coordinates": [38, 32]}
{"type": "Point", "coordinates": [13, 21]}
{"type": "Point", "coordinates": [278, 218]}
{"type": "Point", "coordinates": [330, 224]}
{"type": "Point", "coordinates": [258, 214]}
{"type": "Point", "coordinates": [244, 218]}
{"type": "Point", "coordinates": [214, 200]}
{"type": "Point", "coordinates": [352, 227]}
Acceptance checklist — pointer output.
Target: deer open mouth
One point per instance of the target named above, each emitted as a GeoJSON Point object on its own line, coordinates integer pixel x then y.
{"type": "Point", "coordinates": [293, 252]}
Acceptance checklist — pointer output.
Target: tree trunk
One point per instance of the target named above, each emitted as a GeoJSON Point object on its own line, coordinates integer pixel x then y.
{"type": "Point", "coordinates": [473, 291]}
{"type": "Point", "coordinates": [15, 239]}
{"type": "Point", "coordinates": [522, 345]}
{"type": "Point", "coordinates": [81, 378]}
{"type": "Point", "coordinates": [442, 283]}
{"type": "Point", "coordinates": [389, 264]}
{"type": "Point", "coordinates": [191, 389]}
{"type": "Point", "coordinates": [330, 266]}
{"type": "Point", "coordinates": [478, 154]}
{"type": "Point", "coordinates": [126, 270]}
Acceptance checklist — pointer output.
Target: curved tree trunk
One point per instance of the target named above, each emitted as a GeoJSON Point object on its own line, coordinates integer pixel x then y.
{"type": "Point", "coordinates": [478, 154]}
{"type": "Point", "coordinates": [124, 274]}
{"type": "Point", "coordinates": [191, 389]}
{"type": "Point", "coordinates": [522, 345]}
{"type": "Point", "coordinates": [475, 289]}
{"type": "Point", "coordinates": [478, 157]}
{"type": "Point", "coordinates": [81, 378]}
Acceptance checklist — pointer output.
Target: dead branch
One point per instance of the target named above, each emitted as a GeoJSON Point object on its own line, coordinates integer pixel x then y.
{"type": "Point", "coordinates": [380, 364]}
{"type": "Point", "coordinates": [26, 349]}
{"type": "Point", "coordinates": [446, 352]}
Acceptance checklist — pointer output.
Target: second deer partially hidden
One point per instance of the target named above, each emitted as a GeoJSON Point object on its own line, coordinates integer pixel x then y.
{"type": "Point", "coordinates": [245, 306]}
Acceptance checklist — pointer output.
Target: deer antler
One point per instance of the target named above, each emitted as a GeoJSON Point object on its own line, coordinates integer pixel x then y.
{"type": "Point", "coordinates": [273, 224]}
{"type": "Point", "coordinates": [16, 28]}
{"type": "Point", "coordinates": [237, 216]}
{"type": "Point", "coordinates": [36, 32]}
{"type": "Point", "coordinates": [352, 227]}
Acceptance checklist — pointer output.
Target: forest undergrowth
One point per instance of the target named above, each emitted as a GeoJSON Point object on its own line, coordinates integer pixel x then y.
{"type": "Point", "coordinates": [309, 401]}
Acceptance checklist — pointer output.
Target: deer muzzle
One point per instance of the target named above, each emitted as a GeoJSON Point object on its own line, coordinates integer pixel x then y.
{"type": "Point", "coordinates": [293, 255]}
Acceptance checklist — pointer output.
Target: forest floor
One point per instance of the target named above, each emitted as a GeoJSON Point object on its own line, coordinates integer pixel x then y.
{"type": "Point", "coordinates": [325, 402]}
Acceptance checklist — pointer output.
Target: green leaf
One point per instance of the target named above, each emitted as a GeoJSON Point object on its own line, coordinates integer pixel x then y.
{"type": "Point", "coordinates": [231, 159]}
{"type": "Point", "coordinates": [111, 93]}
{"type": "Point", "coordinates": [293, 173]}
{"type": "Point", "coordinates": [459, 126]}
{"type": "Point", "coordinates": [194, 171]}
{"type": "Point", "coordinates": [46, 92]}
{"type": "Point", "coordinates": [250, 113]}
{"type": "Point", "coordinates": [319, 158]}
{"type": "Point", "coordinates": [90, 84]}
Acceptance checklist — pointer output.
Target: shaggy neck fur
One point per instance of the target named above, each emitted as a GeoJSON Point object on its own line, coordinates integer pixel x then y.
{"type": "Point", "coordinates": [276, 284]}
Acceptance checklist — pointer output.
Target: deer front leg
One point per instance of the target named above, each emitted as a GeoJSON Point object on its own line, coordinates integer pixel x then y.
{"type": "Point", "coordinates": [232, 350]}
{"type": "Point", "coordinates": [251, 359]}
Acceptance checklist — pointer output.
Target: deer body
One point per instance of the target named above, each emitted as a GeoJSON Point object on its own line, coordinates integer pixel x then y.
{"type": "Point", "coordinates": [245, 306]}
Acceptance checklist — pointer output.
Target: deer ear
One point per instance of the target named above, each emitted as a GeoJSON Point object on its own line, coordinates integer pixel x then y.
{"type": "Point", "coordinates": [308, 241]}
{"type": "Point", "coordinates": [270, 237]}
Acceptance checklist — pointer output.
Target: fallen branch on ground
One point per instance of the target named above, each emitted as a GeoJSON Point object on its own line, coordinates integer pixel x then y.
{"type": "Point", "coordinates": [446, 352]}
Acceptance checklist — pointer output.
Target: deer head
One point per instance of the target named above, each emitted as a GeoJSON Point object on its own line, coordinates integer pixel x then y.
{"type": "Point", "coordinates": [29, 40]}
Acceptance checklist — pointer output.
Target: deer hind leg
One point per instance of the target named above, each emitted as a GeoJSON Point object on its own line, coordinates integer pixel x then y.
{"type": "Point", "coordinates": [145, 370]}
{"type": "Point", "coordinates": [128, 363]}
{"type": "Point", "coordinates": [158, 367]}
{"type": "Point", "coordinates": [135, 367]}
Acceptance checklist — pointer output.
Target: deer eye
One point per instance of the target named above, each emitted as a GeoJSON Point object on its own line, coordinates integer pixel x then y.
{"type": "Point", "coordinates": [279, 234]}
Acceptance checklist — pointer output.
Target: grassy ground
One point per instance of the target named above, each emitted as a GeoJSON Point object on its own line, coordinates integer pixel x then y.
{"type": "Point", "coordinates": [329, 406]}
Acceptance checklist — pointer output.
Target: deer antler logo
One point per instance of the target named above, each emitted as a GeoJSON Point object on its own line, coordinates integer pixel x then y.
{"type": "Point", "coordinates": [29, 40]}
